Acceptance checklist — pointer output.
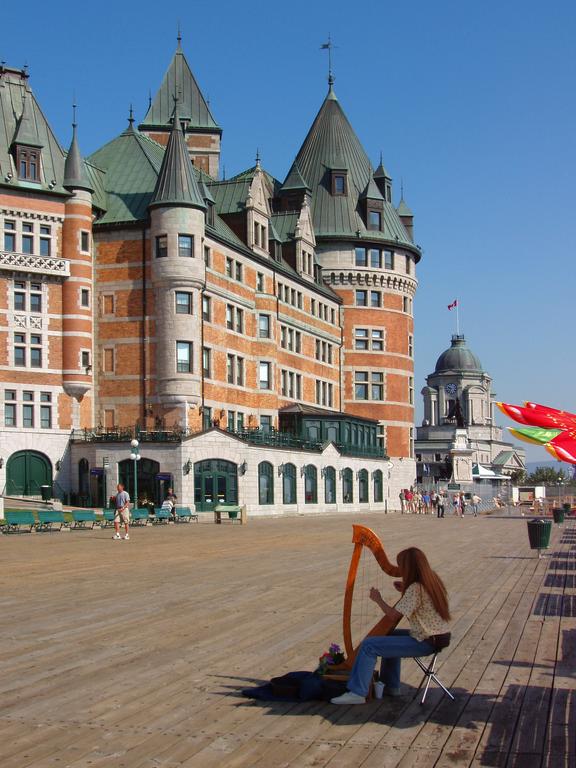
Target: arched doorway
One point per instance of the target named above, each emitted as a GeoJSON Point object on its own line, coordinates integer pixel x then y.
{"type": "Point", "coordinates": [27, 472]}
{"type": "Point", "coordinates": [215, 482]}
{"type": "Point", "coordinates": [147, 483]}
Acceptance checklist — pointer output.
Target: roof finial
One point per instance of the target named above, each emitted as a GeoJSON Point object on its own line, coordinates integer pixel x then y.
{"type": "Point", "coordinates": [328, 47]}
{"type": "Point", "coordinates": [380, 157]}
{"type": "Point", "coordinates": [130, 116]}
{"type": "Point", "coordinates": [257, 157]}
{"type": "Point", "coordinates": [74, 106]}
{"type": "Point", "coordinates": [149, 97]}
{"type": "Point", "coordinates": [179, 36]}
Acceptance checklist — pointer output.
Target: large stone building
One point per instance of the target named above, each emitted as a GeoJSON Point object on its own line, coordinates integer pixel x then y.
{"type": "Point", "coordinates": [249, 332]}
{"type": "Point", "coordinates": [458, 396]}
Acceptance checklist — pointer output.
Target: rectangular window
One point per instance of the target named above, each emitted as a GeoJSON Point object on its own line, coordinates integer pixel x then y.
{"type": "Point", "coordinates": [338, 184]}
{"type": "Point", "coordinates": [408, 264]}
{"type": "Point", "coordinates": [206, 362]}
{"type": "Point", "coordinates": [85, 360]}
{"type": "Point", "coordinates": [406, 304]}
{"type": "Point", "coordinates": [375, 298]}
{"type": "Point", "coordinates": [239, 421]}
{"type": "Point", "coordinates": [238, 272]}
{"type": "Point", "coordinates": [240, 371]}
{"type": "Point", "coordinates": [229, 316]}
{"type": "Point", "coordinates": [229, 267]}
{"type": "Point", "coordinates": [36, 302]}
{"type": "Point", "coordinates": [231, 421]}
{"type": "Point", "coordinates": [85, 242]}
{"type": "Point", "coordinates": [375, 258]}
{"type": "Point", "coordinates": [44, 246]}
{"type": "Point", "coordinates": [206, 308]}
{"type": "Point", "coordinates": [207, 255]}
{"type": "Point", "coordinates": [239, 320]}
{"type": "Point", "coordinates": [27, 244]}
{"type": "Point", "coordinates": [377, 387]}
{"type": "Point", "coordinates": [183, 303]}
{"type": "Point", "coordinates": [186, 246]}
{"type": "Point", "coordinates": [264, 326]}
{"type": "Point", "coordinates": [264, 375]}
{"type": "Point", "coordinates": [361, 338]}
{"type": "Point", "coordinates": [46, 417]}
{"type": "Point", "coordinates": [9, 394]}
{"type": "Point", "coordinates": [361, 385]}
{"type": "Point", "coordinates": [260, 282]}
{"type": "Point", "coordinates": [411, 390]}
{"type": "Point", "coordinates": [108, 304]}
{"type": "Point", "coordinates": [27, 415]}
{"type": "Point", "coordinates": [266, 423]}
{"type": "Point", "coordinates": [161, 246]}
{"type": "Point", "coordinates": [377, 340]}
{"type": "Point", "coordinates": [230, 366]}
{"type": "Point", "coordinates": [374, 220]}
{"type": "Point", "coordinates": [84, 297]}
{"type": "Point", "coordinates": [298, 342]}
{"type": "Point", "coordinates": [410, 345]}
{"type": "Point", "coordinates": [9, 241]}
{"type": "Point", "coordinates": [35, 357]}
{"type": "Point", "coordinates": [361, 257]}
{"type": "Point", "coordinates": [28, 397]}
{"type": "Point", "coordinates": [184, 356]}
{"type": "Point", "coordinates": [19, 298]}
{"type": "Point", "coordinates": [388, 260]}
{"type": "Point", "coordinates": [19, 351]}
{"type": "Point", "coordinates": [361, 298]}
{"type": "Point", "coordinates": [9, 414]}
{"type": "Point", "coordinates": [45, 397]}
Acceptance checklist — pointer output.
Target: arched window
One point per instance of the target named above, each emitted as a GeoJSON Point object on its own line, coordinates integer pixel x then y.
{"type": "Point", "coordinates": [347, 486]}
{"type": "Point", "coordinates": [378, 486]}
{"type": "Point", "coordinates": [265, 483]}
{"type": "Point", "coordinates": [363, 486]}
{"type": "Point", "coordinates": [289, 484]}
{"type": "Point", "coordinates": [330, 485]}
{"type": "Point", "coordinates": [310, 484]}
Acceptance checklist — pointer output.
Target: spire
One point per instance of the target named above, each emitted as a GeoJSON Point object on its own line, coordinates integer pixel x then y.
{"type": "Point", "coordinates": [258, 158]}
{"type": "Point", "coordinates": [26, 132]}
{"type": "Point", "coordinates": [381, 172]}
{"type": "Point", "coordinates": [74, 169]}
{"type": "Point", "coordinates": [371, 191]}
{"type": "Point", "coordinates": [179, 38]}
{"type": "Point", "coordinates": [177, 183]}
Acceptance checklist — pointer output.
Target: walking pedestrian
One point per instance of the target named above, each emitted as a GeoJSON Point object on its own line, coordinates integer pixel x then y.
{"type": "Point", "coordinates": [476, 501]}
{"type": "Point", "coordinates": [440, 502]}
{"type": "Point", "coordinates": [121, 512]}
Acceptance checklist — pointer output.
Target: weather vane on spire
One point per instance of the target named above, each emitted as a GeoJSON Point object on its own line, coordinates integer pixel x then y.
{"type": "Point", "coordinates": [328, 47]}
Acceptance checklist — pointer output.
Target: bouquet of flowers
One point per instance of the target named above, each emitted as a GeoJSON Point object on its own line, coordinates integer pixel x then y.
{"type": "Point", "coordinates": [330, 658]}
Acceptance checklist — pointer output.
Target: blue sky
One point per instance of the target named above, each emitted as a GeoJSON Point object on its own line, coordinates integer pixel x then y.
{"type": "Point", "coordinates": [471, 104]}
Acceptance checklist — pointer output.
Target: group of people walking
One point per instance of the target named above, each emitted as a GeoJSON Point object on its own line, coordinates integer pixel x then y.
{"type": "Point", "coordinates": [435, 502]}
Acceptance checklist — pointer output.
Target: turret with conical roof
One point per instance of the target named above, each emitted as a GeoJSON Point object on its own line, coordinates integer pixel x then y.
{"type": "Point", "coordinates": [202, 133]}
{"type": "Point", "coordinates": [177, 231]}
{"type": "Point", "coordinates": [75, 176]}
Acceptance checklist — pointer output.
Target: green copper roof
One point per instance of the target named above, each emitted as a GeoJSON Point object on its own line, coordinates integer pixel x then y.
{"type": "Point", "coordinates": [294, 180]}
{"type": "Point", "coordinates": [403, 209]}
{"type": "Point", "coordinates": [132, 163]}
{"type": "Point", "coordinates": [179, 81]}
{"type": "Point", "coordinates": [249, 174]}
{"type": "Point", "coordinates": [285, 225]}
{"type": "Point", "coordinates": [371, 192]}
{"type": "Point", "coordinates": [332, 144]}
{"type": "Point", "coordinates": [75, 176]}
{"type": "Point", "coordinates": [230, 196]}
{"type": "Point", "coordinates": [458, 358]}
{"type": "Point", "coordinates": [16, 98]}
{"type": "Point", "coordinates": [177, 183]}
{"type": "Point", "coordinates": [381, 172]}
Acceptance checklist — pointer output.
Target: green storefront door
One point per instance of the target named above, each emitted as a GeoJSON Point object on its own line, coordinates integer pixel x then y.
{"type": "Point", "coordinates": [27, 472]}
{"type": "Point", "coordinates": [215, 482]}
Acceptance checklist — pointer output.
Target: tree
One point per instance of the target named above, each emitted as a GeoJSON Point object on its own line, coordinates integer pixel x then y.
{"type": "Point", "coordinates": [518, 476]}
{"type": "Point", "coordinates": [547, 476]}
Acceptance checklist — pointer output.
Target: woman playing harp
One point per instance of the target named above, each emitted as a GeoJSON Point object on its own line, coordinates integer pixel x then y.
{"type": "Point", "coordinates": [424, 602]}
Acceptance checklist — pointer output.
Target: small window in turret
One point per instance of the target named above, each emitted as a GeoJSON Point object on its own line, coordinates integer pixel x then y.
{"type": "Point", "coordinates": [339, 186]}
{"type": "Point", "coordinates": [375, 221]}
{"type": "Point", "coordinates": [185, 245]}
{"type": "Point", "coordinates": [85, 242]}
{"type": "Point", "coordinates": [161, 246]}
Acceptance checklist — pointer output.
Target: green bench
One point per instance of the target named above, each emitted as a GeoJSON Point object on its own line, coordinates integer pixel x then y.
{"type": "Point", "coordinates": [48, 518]}
{"type": "Point", "coordinates": [83, 519]}
{"type": "Point", "coordinates": [19, 521]}
{"type": "Point", "coordinates": [107, 518]}
{"type": "Point", "coordinates": [162, 516]}
{"type": "Point", "coordinates": [139, 517]}
{"type": "Point", "coordinates": [232, 512]}
{"type": "Point", "coordinates": [184, 515]}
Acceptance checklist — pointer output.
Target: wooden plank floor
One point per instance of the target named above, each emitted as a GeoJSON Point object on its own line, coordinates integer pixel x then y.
{"type": "Point", "coordinates": [133, 654]}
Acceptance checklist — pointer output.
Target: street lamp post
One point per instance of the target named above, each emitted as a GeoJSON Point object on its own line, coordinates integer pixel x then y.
{"type": "Point", "coordinates": [135, 456]}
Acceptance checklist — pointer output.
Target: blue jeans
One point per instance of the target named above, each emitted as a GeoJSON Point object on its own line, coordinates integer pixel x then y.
{"type": "Point", "coordinates": [392, 648]}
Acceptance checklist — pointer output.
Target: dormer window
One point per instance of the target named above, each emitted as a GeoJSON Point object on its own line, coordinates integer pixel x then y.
{"type": "Point", "coordinates": [375, 220]}
{"type": "Point", "coordinates": [339, 183]}
{"type": "Point", "coordinates": [209, 214]}
{"type": "Point", "coordinates": [388, 192]}
{"type": "Point", "coordinates": [28, 163]}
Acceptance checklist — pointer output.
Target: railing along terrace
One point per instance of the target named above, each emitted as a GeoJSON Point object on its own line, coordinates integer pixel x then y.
{"type": "Point", "coordinates": [126, 434]}
{"type": "Point", "coordinates": [274, 439]}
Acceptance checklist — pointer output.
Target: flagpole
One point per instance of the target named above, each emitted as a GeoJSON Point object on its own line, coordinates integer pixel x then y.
{"type": "Point", "coordinates": [457, 317]}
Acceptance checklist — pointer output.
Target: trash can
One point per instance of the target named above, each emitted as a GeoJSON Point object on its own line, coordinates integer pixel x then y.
{"type": "Point", "coordinates": [558, 515]}
{"type": "Point", "coordinates": [46, 491]}
{"type": "Point", "coordinates": [539, 534]}
{"type": "Point", "coordinates": [567, 507]}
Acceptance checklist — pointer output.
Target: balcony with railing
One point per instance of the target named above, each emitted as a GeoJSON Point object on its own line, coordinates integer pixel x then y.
{"type": "Point", "coordinates": [34, 264]}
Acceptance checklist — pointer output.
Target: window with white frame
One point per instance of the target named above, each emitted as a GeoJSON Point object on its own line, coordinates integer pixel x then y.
{"type": "Point", "coordinates": [264, 375]}
{"type": "Point", "coordinates": [184, 357]}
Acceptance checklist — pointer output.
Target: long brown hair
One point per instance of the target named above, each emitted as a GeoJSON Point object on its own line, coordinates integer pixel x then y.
{"type": "Point", "coordinates": [415, 567]}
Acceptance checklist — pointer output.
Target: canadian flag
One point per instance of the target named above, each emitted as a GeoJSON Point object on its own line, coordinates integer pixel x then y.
{"type": "Point", "coordinates": [453, 305]}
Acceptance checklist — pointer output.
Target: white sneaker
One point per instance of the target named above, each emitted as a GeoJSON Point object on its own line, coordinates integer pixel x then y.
{"type": "Point", "coordinates": [349, 698]}
{"type": "Point", "coordinates": [126, 537]}
{"type": "Point", "coordinates": [116, 536]}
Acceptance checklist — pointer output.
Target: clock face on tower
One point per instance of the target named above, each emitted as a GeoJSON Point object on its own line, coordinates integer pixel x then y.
{"type": "Point", "coordinates": [451, 389]}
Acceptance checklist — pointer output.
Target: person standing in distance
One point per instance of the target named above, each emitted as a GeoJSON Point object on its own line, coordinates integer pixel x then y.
{"type": "Point", "coordinates": [122, 512]}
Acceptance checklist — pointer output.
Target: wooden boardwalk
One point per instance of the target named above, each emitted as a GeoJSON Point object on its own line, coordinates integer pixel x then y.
{"type": "Point", "coordinates": [132, 654]}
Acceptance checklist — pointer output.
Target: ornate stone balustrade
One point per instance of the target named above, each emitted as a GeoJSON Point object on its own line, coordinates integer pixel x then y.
{"type": "Point", "coordinates": [40, 265]}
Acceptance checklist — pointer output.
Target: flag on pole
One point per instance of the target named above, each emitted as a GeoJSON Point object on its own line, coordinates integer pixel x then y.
{"type": "Point", "coordinates": [325, 45]}
{"type": "Point", "coordinates": [453, 305]}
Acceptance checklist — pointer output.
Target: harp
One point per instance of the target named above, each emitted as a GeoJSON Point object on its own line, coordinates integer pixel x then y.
{"type": "Point", "coordinates": [366, 545]}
